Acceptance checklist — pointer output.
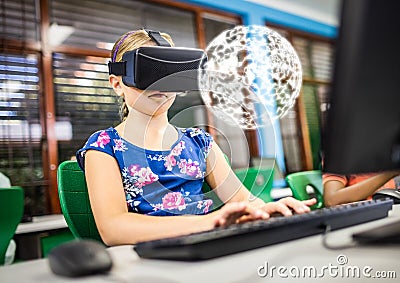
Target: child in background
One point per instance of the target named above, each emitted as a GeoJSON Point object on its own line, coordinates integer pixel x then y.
{"type": "Point", "coordinates": [145, 176]}
{"type": "Point", "coordinates": [340, 189]}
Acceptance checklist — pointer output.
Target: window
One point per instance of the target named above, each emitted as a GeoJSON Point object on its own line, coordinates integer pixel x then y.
{"type": "Point", "coordinates": [301, 128]}
{"type": "Point", "coordinates": [99, 23]}
{"type": "Point", "coordinates": [214, 25]}
{"type": "Point", "coordinates": [20, 128]}
{"type": "Point", "coordinates": [85, 102]}
{"type": "Point", "coordinates": [19, 20]}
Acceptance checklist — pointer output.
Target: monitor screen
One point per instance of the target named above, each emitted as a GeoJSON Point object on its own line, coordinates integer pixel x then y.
{"type": "Point", "coordinates": [363, 126]}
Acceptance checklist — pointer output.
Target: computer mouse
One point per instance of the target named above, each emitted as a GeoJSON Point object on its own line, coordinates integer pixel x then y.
{"type": "Point", "coordinates": [79, 258]}
{"type": "Point", "coordinates": [388, 193]}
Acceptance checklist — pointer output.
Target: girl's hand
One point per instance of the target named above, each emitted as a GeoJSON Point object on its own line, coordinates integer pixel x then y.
{"type": "Point", "coordinates": [238, 212]}
{"type": "Point", "coordinates": [231, 213]}
{"type": "Point", "coordinates": [285, 206]}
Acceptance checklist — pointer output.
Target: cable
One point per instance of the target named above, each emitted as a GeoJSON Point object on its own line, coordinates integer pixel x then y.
{"type": "Point", "coordinates": [331, 247]}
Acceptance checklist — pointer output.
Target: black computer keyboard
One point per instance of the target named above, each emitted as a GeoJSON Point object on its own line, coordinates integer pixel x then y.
{"type": "Point", "coordinates": [250, 235]}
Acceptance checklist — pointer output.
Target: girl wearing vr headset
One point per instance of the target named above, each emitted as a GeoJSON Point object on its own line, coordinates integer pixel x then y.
{"type": "Point", "coordinates": [145, 168]}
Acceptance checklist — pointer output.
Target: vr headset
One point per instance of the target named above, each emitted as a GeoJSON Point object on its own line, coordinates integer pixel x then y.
{"type": "Point", "coordinates": [162, 67]}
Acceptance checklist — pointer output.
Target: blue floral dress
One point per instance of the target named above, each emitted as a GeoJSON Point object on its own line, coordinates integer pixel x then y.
{"type": "Point", "coordinates": [158, 182]}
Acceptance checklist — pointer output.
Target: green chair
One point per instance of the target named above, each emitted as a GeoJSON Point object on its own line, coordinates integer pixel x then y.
{"type": "Point", "coordinates": [54, 239]}
{"type": "Point", "coordinates": [299, 181]}
{"type": "Point", "coordinates": [74, 200]}
{"type": "Point", "coordinates": [11, 211]}
{"type": "Point", "coordinates": [257, 180]}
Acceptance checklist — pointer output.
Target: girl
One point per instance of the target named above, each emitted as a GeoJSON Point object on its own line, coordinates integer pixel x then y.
{"type": "Point", "coordinates": [145, 168]}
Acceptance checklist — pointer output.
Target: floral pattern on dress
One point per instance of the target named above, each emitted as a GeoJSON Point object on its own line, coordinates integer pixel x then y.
{"type": "Point", "coordinates": [128, 182]}
{"type": "Point", "coordinates": [186, 166]}
{"type": "Point", "coordinates": [156, 157]}
{"type": "Point", "coordinates": [119, 145]}
{"type": "Point", "coordinates": [177, 150]}
{"type": "Point", "coordinates": [170, 160]}
{"type": "Point", "coordinates": [177, 175]}
{"type": "Point", "coordinates": [204, 205]}
{"type": "Point", "coordinates": [136, 177]}
{"type": "Point", "coordinates": [205, 140]}
{"type": "Point", "coordinates": [207, 150]}
{"type": "Point", "coordinates": [173, 201]}
{"type": "Point", "coordinates": [144, 176]}
{"type": "Point", "coordinates": [102, 140]}
{"type": "Point", "coordinates": [190, 167]}
{"type": "Point", "coordinates": [195, 132]}
{"type": "Point", "coordinates": [133, 203]}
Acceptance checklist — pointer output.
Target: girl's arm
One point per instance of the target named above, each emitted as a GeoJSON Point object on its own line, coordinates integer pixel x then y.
{"type": "Point", "coordinates": [335, 192]}
{"type": "Point", "coordinates": [117, 226]}
{"type": "Point", "coordinates": [230, 189]}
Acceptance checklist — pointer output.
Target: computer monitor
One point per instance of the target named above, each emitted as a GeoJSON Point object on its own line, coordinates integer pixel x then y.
{"type": "Point", "coordinates": [363, 126]}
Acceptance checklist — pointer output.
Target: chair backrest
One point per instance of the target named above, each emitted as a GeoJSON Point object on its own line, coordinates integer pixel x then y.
{"type": "Point", "coordinates": [74, 200]}
{"type": "Point", "coordinates": [257, 180]}
{"type": "Point", "coordinates": [11, 211]}
{"type": "Point", "coordinates": [299, 181]}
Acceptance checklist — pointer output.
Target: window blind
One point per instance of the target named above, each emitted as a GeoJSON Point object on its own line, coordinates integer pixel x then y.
{"type": "Point", "coordinates": [19, 20]}
{"type": "Point", "coordinates": [98, 23]}
{"type": "Point", "coordinates": [85, 102]}
{"type": "Point", "coordinates": [316, 57]}
{"type": "Point", "coordinates": [20, 132]}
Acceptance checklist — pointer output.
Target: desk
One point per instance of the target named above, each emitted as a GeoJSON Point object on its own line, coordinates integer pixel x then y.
{"type": "Point", "coordinates": [42, 223]}
{"type": "Point", "coordinates": [241, 267]}
{"type": "Point", "coordinates": [278, 193]}
{"type": "Point", "coordinates": [29, 234]}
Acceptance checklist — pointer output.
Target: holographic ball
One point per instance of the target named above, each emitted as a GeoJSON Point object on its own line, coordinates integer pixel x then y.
{"type": "Point", "coordinates": [252, 76]}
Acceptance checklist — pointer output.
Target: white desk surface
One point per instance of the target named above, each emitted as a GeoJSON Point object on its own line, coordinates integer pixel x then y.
{"type": "Point", "coordinates": [277, 193]}
{"type": "Point", "coordinates": [242, 267]}
{"type": "Point", "coordinates": [42, 223]}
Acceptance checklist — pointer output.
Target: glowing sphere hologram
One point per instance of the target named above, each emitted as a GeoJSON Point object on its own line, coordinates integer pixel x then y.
{"type": "Point", "coordinates": [252, 76]}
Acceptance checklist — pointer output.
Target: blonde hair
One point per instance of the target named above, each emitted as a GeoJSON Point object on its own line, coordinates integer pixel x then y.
{"type": "Point", "coordinates": [130, 41]}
